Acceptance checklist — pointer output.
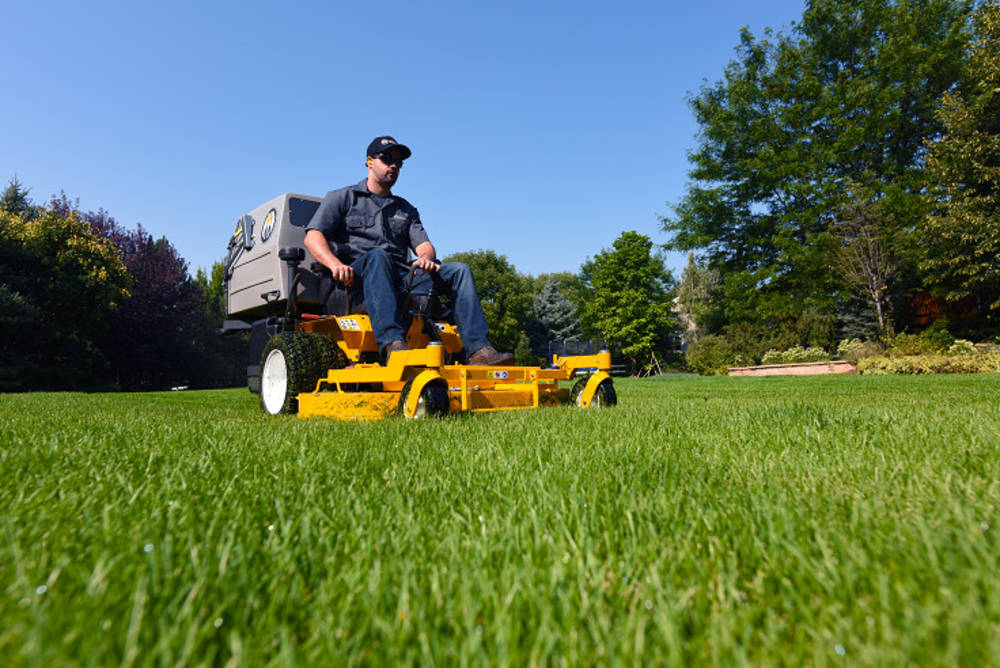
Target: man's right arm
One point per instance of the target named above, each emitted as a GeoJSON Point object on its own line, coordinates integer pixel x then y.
{"type": "Point", "coordinates": [329, 217]}
{"type": "Point", "coordinates": [318, 247]}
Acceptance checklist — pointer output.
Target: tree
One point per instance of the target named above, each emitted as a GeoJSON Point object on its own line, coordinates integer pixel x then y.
{"type": "Point", "coordinates": [865, 258]}
{"type": "Point", "coordinates": [15, 200]}
{"type": "Point", "coordinates": [505, 295]}
{"type": "Point", "coordinates": [569, 285]}
{"type": "Point", "coordinates": [628, 301]}
{"type": "Point", "coordinates": [554, 318]}
{"type": "Point", "coordinates": [694, 302]}
{"type": "Point", "coordinates": [153, 338]}
{"type": "Point", "coordinates": [961, 235]}
{"type": "Point", "coordinates": [226, 361]}
{"type": "Point", "coordinates": [59, 282]}
{"type": "Point", "coordinates": [847, 97]}
{"type": "Point", "coordinates": [156, 340]}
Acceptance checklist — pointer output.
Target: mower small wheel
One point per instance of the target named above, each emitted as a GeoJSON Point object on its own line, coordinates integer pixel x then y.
{"type": "Point", "coordinates": [604, 397]}
{"type": "Point", "coordinates": [433, 400]}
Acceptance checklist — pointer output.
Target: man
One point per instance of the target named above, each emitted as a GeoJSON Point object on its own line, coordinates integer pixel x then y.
{"type": "Point", "coordinates": [363, 234]}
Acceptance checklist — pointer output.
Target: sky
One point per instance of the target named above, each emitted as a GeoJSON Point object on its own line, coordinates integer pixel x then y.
{"type": "Point", "coordinates": [540, 130]}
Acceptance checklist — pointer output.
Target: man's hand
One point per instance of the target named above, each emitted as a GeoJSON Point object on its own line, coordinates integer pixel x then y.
{"type": "Point", "coordinates": [427, 264]}
{"type": "Point", "coordinates": [317, 245]}
{"type": "Point", "coordinates": [343, 272]}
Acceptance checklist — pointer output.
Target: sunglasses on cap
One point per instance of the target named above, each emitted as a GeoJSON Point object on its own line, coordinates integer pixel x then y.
{"type": "Point", "coordinates": [390, 159]}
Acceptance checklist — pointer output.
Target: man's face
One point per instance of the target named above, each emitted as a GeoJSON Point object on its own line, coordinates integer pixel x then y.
{"type": "Point", "coordinates": [386, 166]}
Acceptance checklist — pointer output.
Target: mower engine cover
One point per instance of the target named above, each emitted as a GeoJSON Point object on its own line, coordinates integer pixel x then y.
{"type": "Point", "coordinates": [256, 278]}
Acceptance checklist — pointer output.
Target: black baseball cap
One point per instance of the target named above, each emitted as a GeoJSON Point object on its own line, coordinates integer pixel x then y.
{"type": "Point", "coordinates": [384, 143]}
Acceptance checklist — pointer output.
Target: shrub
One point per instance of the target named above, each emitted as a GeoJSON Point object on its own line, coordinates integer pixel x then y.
{"type": "Point", "coordinates": [852, 350]}
{"type": "Point", "coordinates": [937, 336]}
{"type": "Point", "coordinates": [962, 347]}
{"type": "Point", "coordinates": [883, 365]}
{"type": "Point", "coordinates": [712, 355]}
{"type": "Point", "coordinates": [795, 355]}
{"type": "Point", "coordinates": [903, 344]}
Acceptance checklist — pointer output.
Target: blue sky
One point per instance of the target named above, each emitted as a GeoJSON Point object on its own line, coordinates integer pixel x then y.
{"type": "Point", "coordinates": [539, 130]}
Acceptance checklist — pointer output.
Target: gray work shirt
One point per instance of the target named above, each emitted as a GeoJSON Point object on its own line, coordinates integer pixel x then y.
{"type": "Point", "coordinates": [354, 221]}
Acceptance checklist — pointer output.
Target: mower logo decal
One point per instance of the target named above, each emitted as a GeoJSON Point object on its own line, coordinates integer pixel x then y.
{"type": "Point", "coordinates": [349, 323]}
{"type": "Point", "coordinates": [498, 375]}
{"type": "Point", "coordinates": [268, 227]}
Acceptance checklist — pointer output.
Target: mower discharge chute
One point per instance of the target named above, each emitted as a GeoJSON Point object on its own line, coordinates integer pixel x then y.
{"type": "Point", "coordinates": [313, 352]}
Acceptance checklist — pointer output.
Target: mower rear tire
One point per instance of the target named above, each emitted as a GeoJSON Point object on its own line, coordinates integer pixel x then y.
{"type": "Point", "coordinates": [292, 362]}
{"type": "Point", "coordinates": [604, 397]}
{"type": "Point", "coordinates": [433, 400]}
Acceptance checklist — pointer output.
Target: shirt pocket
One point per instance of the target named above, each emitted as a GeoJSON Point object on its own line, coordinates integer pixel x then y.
{"type": "Point", "coordinates": [356, 222]}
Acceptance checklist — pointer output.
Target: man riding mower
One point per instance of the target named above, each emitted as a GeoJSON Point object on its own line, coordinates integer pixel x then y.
{"type": "Point", "coordinates": [352, 343]}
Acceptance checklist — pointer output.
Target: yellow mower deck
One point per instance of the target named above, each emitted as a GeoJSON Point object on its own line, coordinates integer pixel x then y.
{"type": "Point", "coordinates": [398, 385]}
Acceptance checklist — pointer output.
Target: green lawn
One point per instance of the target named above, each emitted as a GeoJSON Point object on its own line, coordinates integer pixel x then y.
{"type": "Point", "coordinates": [831, 520]}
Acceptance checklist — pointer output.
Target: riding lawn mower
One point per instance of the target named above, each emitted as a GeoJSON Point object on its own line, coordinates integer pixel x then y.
{"type": "Point", "coordinates": [313, 349]}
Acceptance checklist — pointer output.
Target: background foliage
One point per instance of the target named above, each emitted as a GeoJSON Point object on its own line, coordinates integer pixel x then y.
{"type": "Point", "coordinates": [87, 304]}
{"type": "Point", "coordinates": [813, 198]}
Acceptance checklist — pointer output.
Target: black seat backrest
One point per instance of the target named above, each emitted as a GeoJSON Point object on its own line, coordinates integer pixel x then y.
{"type": "Point", "coordinates": [336, 298]}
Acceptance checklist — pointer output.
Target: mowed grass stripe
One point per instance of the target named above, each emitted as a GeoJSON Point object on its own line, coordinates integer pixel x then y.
{"type": "Point", "coordinates": [719, 520]}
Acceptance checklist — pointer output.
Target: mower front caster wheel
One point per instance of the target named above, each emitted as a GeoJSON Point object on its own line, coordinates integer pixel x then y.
{"type": "Point", "coordinates": [433, 401]}
{"type": "Point", "coordinates": [604, 396]}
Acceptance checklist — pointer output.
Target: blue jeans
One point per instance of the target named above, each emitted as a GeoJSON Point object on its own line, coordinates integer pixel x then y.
{"type": "Point", "coordinates": [383, 282]}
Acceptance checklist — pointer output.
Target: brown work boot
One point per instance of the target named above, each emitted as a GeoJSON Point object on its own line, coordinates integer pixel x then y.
{"type": "Point", "coordinates": [489, 356]}
{"type": "Point", "coordinates": [394, 346]}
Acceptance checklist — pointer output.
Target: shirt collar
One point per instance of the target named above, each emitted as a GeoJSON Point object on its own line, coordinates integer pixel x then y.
{"type": "Point", "coordinates": [362, 187]}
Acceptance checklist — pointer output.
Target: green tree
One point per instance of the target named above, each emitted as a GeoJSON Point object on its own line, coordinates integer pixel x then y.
{"type": "Point", "coordinates": [961, 236]}
{"type": "Point", "coordinates": [226, 355]}
{"type": "Point", "coordinates": [504, 293]}
{"type": "Point", "coordinates": [58, 284]}
{"type": "Point", "coordinates": [628, 301]}
{"type": "Point", "coordinates": [846, 97]}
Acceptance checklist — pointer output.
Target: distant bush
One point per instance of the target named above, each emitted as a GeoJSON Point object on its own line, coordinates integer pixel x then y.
{"type": "Point", "coordinates": [795, 355]}
{"type": "Point", "coordinates": [712, 355]}
{"type": "Point", "coordinates": [883, 365]}
{"type": "Point", "coordinates": [903, 345]}
{"type": "Point", "coordinates": [937, 335]}
{"type": "Point", "coordinates": [852, 350]}
{"type": "Point", "coordinates": [962, 347]}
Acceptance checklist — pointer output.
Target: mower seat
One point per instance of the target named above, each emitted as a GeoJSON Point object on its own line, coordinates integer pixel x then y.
{"type": "Point", "coordinates": [340, 300]}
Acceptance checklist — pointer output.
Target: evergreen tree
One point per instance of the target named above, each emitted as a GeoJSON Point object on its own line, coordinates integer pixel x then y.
{"type": "Point", "coordinates": [15, 200]}
{"type": "Point", "coordinates": [556, 317]}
